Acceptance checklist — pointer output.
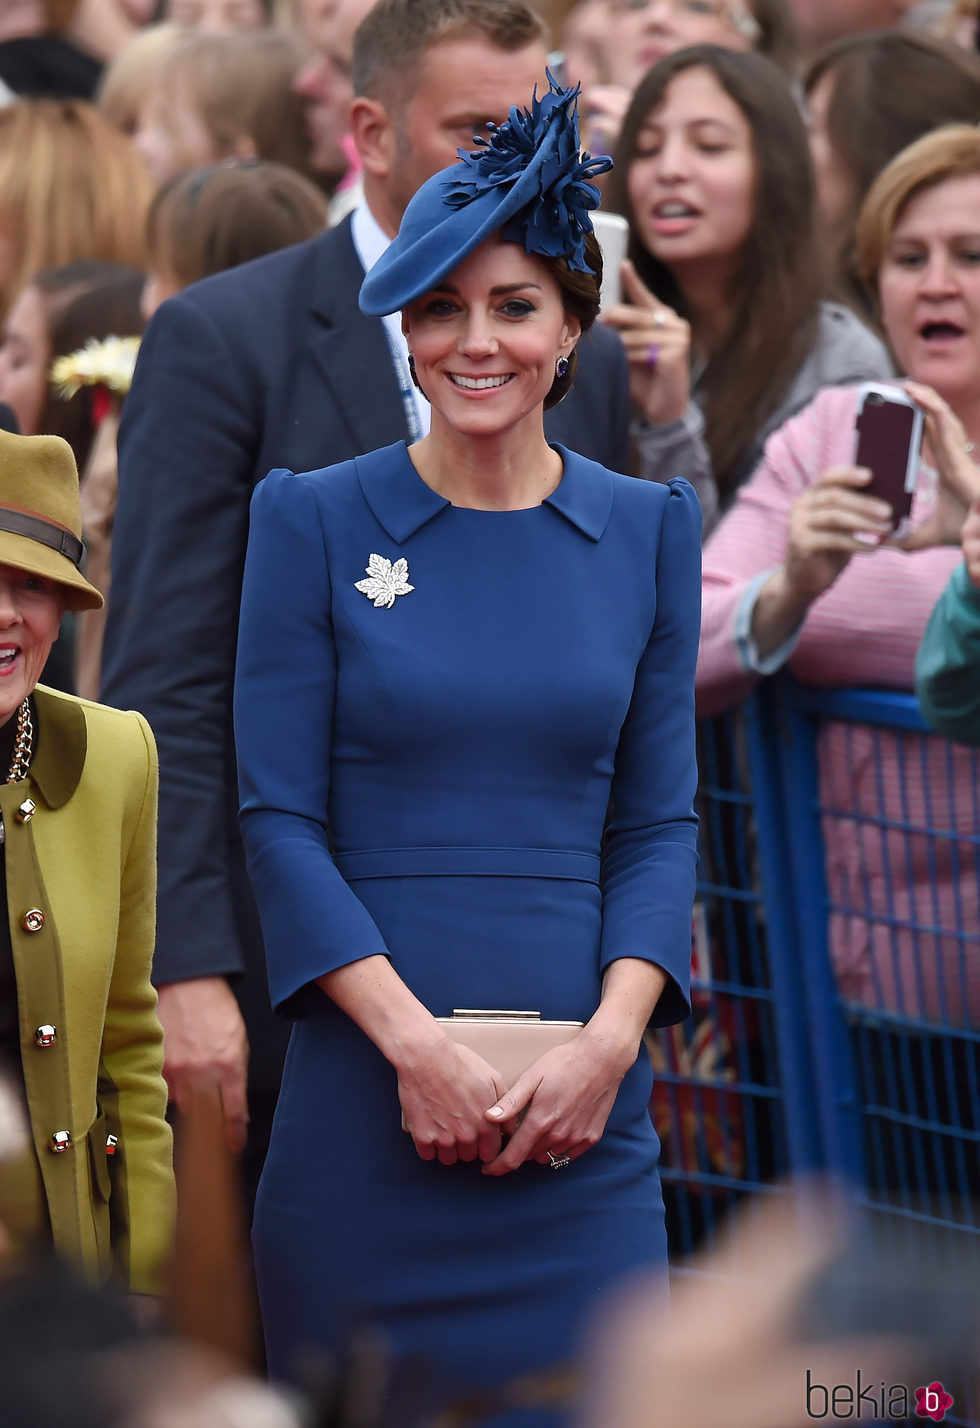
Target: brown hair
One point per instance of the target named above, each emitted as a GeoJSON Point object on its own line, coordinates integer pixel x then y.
{"type": "Point", "coordinates": [580, 299]}
{"type": "Point", "coordinates": [71, 187]}
{"type": "Point", "coordinates": [82, 301]}
{"type": "Point", "coordinates": [889, 88]}
{"type": "Point", "coordinates": [58, 15]}
{"type": "Point", "coordinates": [775, 291]}
{"type": "Point", "coordinates": [214, 218]}
{"type": "Point", "coordinates": [948, 153]}
{"type": "Point", "coordinates": [133, 71]}
{"type": "Point", "coordinates": [777, 38]}
{"type": "Point", "coordinates": [241, 86]}
{"type": "Point", "coordinates": [395, 35]}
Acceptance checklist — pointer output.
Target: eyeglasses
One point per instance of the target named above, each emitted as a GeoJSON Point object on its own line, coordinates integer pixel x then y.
{"type": "Point", "coordinates": [741, 19]}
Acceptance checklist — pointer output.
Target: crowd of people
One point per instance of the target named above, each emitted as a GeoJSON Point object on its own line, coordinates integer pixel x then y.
{"type": "Point", "coordinates": [307, 291]}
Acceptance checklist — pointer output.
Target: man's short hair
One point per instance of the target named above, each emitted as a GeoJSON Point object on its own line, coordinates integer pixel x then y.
{"type": "Point", "coordinates": [395, 35]}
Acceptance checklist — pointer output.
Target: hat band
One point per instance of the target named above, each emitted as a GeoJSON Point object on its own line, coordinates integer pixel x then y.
{"type": "Point", "coordinates": [46, 532]}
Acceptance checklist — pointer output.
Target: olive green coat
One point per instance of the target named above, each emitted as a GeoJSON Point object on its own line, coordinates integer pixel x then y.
{"type": "Point", "coordinates": [85, 859]}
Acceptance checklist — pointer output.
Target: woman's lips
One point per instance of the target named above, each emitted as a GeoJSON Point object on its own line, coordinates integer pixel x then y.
{"type": "Point", "coordinates": [940, 336]}
{"type": "Point", "coordinates": [8, 658]}
{"type": "Point", "coordinates": [652, 55]}
{"type": "Point", "coordinates": [673, 217]}
{"type": "Point", "coordinates": [479, 385]}
{"type": "Point", "coordinates": [940, 331]}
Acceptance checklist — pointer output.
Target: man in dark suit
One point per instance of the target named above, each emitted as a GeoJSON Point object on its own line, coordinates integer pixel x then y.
{"type": "Point", "coordinates": [273, 364]}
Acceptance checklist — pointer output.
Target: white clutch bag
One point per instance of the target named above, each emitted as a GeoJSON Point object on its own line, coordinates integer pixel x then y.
{"type": "Point", "coordinates": [509, 1041]}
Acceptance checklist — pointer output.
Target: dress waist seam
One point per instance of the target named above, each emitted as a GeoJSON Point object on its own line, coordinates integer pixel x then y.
{"type": "Point", "coordinates": [468, 862]}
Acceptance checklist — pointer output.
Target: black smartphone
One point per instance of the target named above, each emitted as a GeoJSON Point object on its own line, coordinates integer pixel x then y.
{"type": "Point", "coordinates": [887, 441]}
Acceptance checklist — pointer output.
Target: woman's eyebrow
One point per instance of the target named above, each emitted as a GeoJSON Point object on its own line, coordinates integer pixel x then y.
{"type": "Point", "coordinates": [499, 291]}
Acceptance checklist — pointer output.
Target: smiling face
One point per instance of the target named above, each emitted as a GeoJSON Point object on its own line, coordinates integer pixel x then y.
{"type": "Point", "coordinates": [486, 340]}
{"type": "Point", "coordinates": [691, 180]}
{"type": "Point", "coordinates": [30, 616]}
{"type": "Point", "coordinates": [929, 288]}
{"type": "Point", "coordinates": [25, 356]}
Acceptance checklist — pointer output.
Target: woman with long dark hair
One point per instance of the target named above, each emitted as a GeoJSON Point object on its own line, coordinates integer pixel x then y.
{"type": "Point", "coordinates": [714, 175]}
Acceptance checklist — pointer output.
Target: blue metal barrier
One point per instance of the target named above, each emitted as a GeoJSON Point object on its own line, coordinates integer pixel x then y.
{"type": "Point", "coordinates": [883, 819]}
{"type": "Point", "coordinates": [837, 974]}
{"type": "Point", "coordinates": [734, 1102]}
{"type": "Point", "coordinates": [904, 1118]}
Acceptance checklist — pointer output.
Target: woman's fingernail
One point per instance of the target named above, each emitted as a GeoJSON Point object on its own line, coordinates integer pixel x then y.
{"type": "Point", "coordinates": [495, 1111]}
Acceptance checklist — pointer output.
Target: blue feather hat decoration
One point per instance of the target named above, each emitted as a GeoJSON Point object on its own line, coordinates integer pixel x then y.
{"type": "Point", "coordinates": [529, 182]}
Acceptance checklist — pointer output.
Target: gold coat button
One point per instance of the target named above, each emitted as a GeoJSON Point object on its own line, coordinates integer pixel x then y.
{"type": "Point", "coordinates": [26, 811]}
{"type": "Point", "coordinates": [61, 1140]}
{"type": "Point", "coordinates": [46, 1035]}
{"type": "Point", "coordinates": [33, 920]}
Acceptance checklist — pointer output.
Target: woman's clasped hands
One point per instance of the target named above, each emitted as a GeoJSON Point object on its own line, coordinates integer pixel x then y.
{"type": "Point", "coordinates": [445, 1090]}
{"type": "Point", "coordinates": [459, 1108]}
{"type": "Point", "coordinates": [560, 1106]}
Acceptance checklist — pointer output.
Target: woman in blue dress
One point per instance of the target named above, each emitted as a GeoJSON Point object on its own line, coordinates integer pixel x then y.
{"type": "Point", "coordinates": [465, 723]}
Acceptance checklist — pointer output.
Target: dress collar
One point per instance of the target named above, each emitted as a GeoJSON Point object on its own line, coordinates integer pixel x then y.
{"type": "Point", "coordinates": [62, 739]}
{"type": "Point", "coordinates": [402, 503]}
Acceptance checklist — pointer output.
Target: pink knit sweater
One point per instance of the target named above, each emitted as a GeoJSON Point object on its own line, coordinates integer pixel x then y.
{"type": "Point", "coordinates": [898, 897]}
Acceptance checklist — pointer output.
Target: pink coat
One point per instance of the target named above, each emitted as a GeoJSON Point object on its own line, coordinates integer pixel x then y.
{"type": "Point", "coordinates": [897, 896]}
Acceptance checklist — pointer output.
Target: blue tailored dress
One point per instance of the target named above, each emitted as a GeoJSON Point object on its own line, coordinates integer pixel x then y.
{"type": "Point", "coordinates": [481, 765]}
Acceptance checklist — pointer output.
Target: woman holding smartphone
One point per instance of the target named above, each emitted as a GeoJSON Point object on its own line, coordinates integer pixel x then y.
{"type": "Point", "coordinates": [805, 572]}
{"type": "Point", "coordinates": [724, 321]}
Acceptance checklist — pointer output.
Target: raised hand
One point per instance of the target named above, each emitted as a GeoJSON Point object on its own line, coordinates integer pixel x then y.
{"type": "Point", "coordinates": [959, 479]}
{"type": "Point", "coordinates": [658, 345]}
{"type": "Point", "coordinates": [829, 523]}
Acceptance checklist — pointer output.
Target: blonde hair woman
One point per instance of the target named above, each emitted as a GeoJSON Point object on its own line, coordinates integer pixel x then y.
{"type": "Point", "coordinates": [127, 80]}
{"type": "Point", "coordinates": [71, 188]}
{"type": "Point", "coordinates": [224, 96]}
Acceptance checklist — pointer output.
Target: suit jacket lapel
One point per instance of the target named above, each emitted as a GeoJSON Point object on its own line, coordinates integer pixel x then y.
{"type": "Point", "coordinates": [351, 349]}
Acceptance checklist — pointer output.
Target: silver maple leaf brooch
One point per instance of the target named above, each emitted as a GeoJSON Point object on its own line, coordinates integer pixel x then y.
{"type": "Point", "coordinates": [384, 581]}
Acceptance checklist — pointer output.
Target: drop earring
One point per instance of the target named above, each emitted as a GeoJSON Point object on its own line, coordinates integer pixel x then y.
{"type": "Point", "coordinates": [561, 367]}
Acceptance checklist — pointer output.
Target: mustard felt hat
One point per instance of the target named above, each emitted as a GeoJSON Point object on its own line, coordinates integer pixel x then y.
{"type": "Point", "coordinates": [40, 515]}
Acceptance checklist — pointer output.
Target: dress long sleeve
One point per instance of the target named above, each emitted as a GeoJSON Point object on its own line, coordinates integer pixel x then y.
{"type": "Point", "coordinates": [311, 921]}
{"type": "Point", "coordinates": [650, 855]}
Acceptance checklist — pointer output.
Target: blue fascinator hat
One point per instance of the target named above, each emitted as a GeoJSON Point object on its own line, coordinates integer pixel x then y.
{"type": "Point", "coordinates": [528, 181]}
